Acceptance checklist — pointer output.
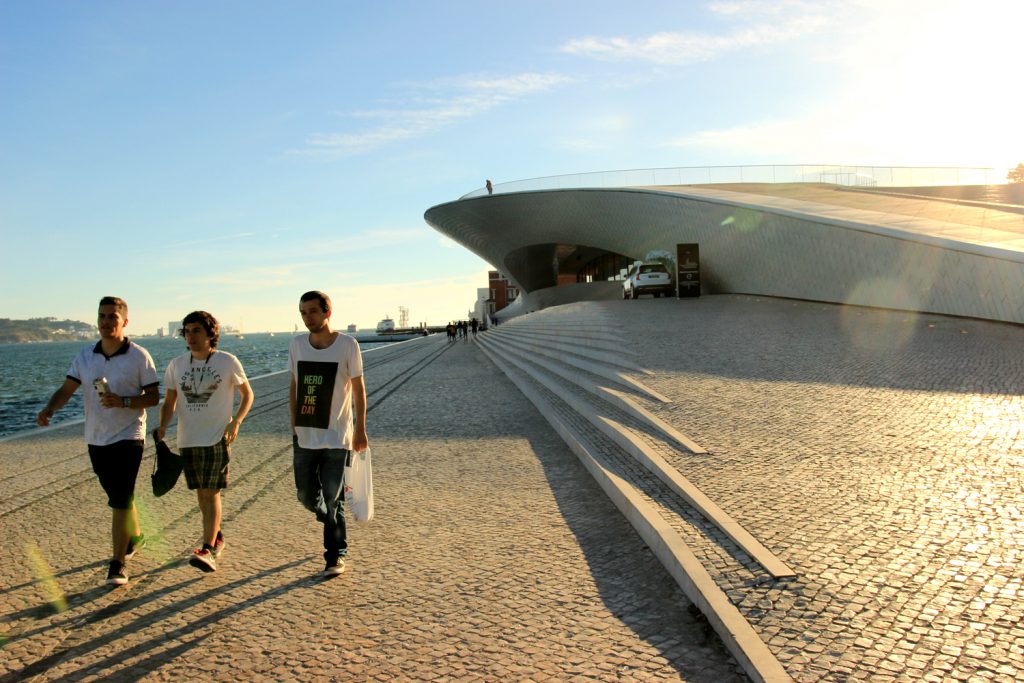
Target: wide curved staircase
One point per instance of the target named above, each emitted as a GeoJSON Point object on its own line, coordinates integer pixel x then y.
{"type": "Point", "coordinates": [574, 365]}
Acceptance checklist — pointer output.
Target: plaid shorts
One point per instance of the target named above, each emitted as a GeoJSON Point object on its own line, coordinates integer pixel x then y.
{"type": "Point", "coordinates": [206, 467]}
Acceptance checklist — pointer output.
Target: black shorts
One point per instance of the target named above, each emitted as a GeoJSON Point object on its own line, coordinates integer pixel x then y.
{"type": "Point", "coordinates": [117, 466]}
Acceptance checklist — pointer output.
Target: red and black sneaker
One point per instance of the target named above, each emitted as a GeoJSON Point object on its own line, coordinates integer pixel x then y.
{"type": "Point", "coordinates": [204, 559]}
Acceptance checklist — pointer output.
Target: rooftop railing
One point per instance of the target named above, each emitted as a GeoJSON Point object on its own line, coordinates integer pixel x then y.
{"type": "Point", "coordinates": [856, 176]}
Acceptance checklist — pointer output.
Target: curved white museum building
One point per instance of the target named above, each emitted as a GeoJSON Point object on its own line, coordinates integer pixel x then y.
{"type": "Point", "coordinates": [948, 241]}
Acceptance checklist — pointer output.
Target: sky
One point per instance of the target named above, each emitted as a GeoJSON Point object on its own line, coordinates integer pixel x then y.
{"type": "Point", "coordinates": [228, 156]}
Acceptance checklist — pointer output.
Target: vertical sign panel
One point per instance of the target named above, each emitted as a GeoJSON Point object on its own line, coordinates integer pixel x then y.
{"type": "Point", "coordinates": [688, 269]}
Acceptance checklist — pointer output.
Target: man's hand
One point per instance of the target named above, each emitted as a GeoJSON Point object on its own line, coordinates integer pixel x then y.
{"type": "Point", "coordinates": [231, 431]}
{"type": "Point", "coordinates": [111, 400]}
{"type": "Point", "coordinates": [43, 418]}
{"type": "Point", "coordinates": [359, 441]}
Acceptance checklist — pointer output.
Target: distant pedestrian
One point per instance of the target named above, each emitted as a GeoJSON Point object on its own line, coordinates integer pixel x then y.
{"type": "Point", "coordinates": [474, 325]}
{"type": "Point", "coordinates": [490, 187]}
{"type": "Point", "coordinates": [119, 382]}
{"type": "Point", "coordinates": [200, 385]}
{"type": "Point", "coordinates": [450, 329]}
{"type": "Point", "coordinates": [327, 400]}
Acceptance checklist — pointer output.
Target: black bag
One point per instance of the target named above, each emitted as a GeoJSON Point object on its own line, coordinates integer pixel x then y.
{"type": "Point", "coordinates": [167, 467]}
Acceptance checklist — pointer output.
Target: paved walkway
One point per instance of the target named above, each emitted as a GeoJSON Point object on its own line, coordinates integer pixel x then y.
{"type": "Point", "coordinates": [880, 454]}
{"type": "Point", "coordinates": [493, 556]}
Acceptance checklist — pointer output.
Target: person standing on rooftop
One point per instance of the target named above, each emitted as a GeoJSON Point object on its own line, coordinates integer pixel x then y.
{"type": "Point", "coordinates": [327, 402]}
{"type": "Point", "coordinates": [200, 386]}
{"type": "Point", "coordinates": [119, 382]}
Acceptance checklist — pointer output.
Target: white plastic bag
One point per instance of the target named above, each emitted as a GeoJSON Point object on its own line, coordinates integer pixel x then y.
{"type": "Point", "coordinates": [359, 486]}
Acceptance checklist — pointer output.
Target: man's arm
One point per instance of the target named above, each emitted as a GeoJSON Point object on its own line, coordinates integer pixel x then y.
{"type": "Point", "coordinates": [59, 398]}
{"type": "Point", "coordinates": [291, 403]}
{"type": "Point", "coordinates": [167, 412]}
{"type": "Point", "coordinates": [245, 391]}
{"type": "Point", "coordinates": [150, 397]}
{"type": "Point", "coordinates": [360, 442]}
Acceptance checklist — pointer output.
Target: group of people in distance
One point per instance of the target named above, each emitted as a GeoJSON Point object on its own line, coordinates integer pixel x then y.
{"type": "Point", "coordinates": [461, 329]}
{"type": "Point", "coordinates": [327, 402]}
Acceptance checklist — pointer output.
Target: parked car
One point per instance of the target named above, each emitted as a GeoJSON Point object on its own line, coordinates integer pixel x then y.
{"type": "Point", "coordinates": [647, 278]}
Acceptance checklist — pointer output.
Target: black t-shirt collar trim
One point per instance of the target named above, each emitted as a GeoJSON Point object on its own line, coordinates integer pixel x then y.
{"type": "Point", "coordinates": [122, 350]}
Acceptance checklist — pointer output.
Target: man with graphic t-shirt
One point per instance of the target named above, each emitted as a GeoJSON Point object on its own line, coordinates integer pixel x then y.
{"type": "Point", "coordinates": [327, 399]}
{"type": "Point", "coordinates": [119, 382]}
{"type": "Point", "coordinates": [201, 386]}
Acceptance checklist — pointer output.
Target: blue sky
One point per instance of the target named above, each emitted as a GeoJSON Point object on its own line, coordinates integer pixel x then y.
{"type": "Point", "coordinates": [231, 155]}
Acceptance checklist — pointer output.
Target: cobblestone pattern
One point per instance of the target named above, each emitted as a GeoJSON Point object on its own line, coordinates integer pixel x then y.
{"type": "Point", "coordinates": [733, 568]}
{"type": "Point", "coordinates": [493, 557]}
{"type": "Point", "coordinates": [879, 454]}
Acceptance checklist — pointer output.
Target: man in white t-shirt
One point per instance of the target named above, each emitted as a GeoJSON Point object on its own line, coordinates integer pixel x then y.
{"type": "Point", "coordinates": [119, 382]}
{"type": "Point", "coordinates": [327, 401]}
{"type": "Point", "coordinates": [200, 386]}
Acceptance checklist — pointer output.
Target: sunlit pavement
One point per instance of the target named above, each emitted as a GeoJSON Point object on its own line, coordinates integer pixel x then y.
{"type": "Point", "coordinates": [877, 453]}
{"type": "Point", "coordinates": [493, 556]}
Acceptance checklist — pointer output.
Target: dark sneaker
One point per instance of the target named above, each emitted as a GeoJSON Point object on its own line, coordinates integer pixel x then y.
{"type": "Point", "coordinates": [334, 567]}
{"type": "Point", "coordinates": [218, 545]}
{"type": "Point", "coordinates": [135, 544]}
{"type": "Point", "coordinates": [203, 559]}
{"type": "Point", "coordinates": [116, 575]}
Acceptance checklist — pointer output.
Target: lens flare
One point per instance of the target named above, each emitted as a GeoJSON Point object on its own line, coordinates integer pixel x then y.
{"type": "Point", "coordinates": [44, 577]}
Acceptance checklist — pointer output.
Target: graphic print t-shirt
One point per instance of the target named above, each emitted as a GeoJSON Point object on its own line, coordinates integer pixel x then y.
{"type": "Point", "coordinates": [323, 394]}
{"type": "Point", "coordinates": [206, 396]}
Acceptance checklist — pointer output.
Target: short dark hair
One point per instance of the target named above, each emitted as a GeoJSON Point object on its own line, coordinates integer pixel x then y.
{"type": "Point", "coordinates": [325, 301]}
{"type": "Point", "coordinates": [208, 322]}
{"type": "Point", "coordinates": [121, 304]}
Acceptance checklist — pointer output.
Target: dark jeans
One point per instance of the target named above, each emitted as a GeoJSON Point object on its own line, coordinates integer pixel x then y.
{"type": "Point", "coordinates": [319, 482]}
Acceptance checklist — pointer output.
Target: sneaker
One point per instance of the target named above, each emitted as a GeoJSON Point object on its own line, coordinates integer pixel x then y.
{"type": "Point", "coordinates": [334, 567]}
{"type": "Point", "coordinates": [203, 559]}
{"type": "Point", "coordinates": [116, 575]}
{"type": "Point", "coordinates": [218, 545]}
{"type": "Point", "coordinates": [135, 544]}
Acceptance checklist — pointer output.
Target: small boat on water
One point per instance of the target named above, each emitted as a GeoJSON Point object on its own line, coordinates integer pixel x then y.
{"type": "Point", "coordinates": [351, 328]}
{"type": "Point", "coordinates": [386, 325]}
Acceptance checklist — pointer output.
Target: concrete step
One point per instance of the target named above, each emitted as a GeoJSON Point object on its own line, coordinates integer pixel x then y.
{"type": "Point", "coordinates": [596, 367]}
{"type": "Point", "coordinates": [593, 449]}
{"type": "Point", "coordinates": [607, 343]}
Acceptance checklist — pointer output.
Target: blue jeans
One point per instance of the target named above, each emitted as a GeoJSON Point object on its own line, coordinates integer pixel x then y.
{"type": "Point", "coordinates": [319, 482]}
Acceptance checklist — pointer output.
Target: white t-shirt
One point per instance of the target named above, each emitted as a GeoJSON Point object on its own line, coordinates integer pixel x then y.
{"type": "Point", "coordinates": [128, 372]}
{"type": "Point", "coordinates": [323, 391]}
{"type": "Point", "coordinates": [206, 396]}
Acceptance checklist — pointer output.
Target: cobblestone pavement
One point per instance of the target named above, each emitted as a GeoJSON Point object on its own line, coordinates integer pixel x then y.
{"type": "Point", "coordinates": [493, 556]}
{"type": "Point", "coordinates": [878, 453]}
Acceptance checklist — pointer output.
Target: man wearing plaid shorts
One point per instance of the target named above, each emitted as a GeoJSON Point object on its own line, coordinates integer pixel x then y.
{"type": "Point", "coordinates": [201, 386]}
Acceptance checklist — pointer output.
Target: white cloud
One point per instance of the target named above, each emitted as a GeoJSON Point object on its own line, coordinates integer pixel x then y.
{"type": "Point", "coordinates": [787, 21]}
{"type": "Point", "coordinates": [458, 99]}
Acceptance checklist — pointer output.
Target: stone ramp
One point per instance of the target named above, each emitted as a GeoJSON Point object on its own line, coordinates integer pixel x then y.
{"type": "Point", "coordinates": [494, 556]}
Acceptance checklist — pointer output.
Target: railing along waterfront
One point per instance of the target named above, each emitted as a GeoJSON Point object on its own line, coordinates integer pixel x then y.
{"type": "Point", "coordinates": [856, 176]}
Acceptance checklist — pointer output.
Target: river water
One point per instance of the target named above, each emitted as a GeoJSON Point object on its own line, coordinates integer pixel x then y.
{"type": "Point", "coordinates": [30, 373]}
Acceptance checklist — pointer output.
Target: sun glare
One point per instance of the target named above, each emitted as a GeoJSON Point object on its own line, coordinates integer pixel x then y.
{"type": "Point", "coordinates": [933, 81]}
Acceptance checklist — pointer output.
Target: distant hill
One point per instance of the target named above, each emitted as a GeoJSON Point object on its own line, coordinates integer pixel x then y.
{"type": "Point", "coordinates": [44, 329]}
